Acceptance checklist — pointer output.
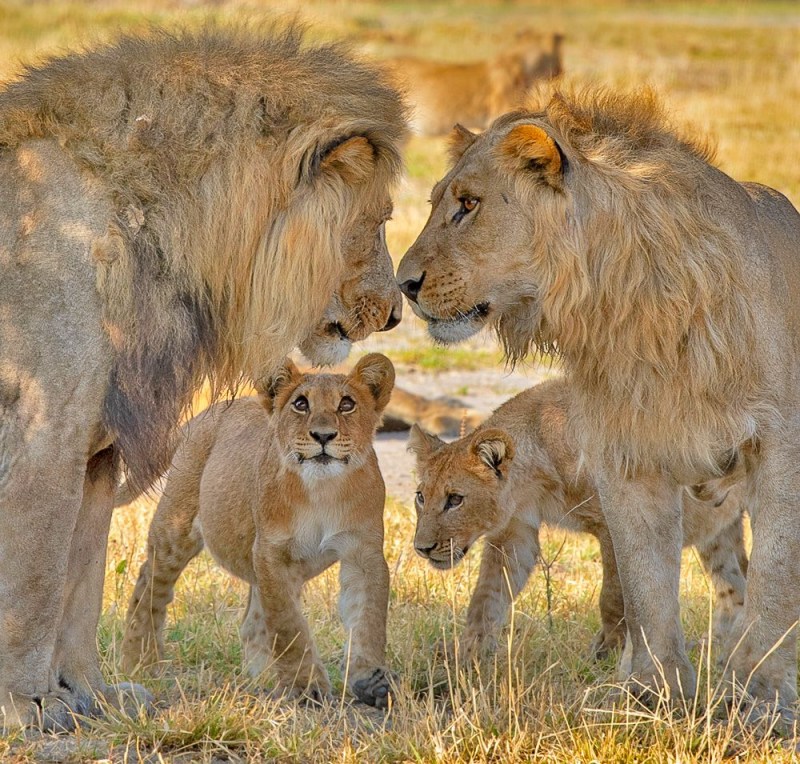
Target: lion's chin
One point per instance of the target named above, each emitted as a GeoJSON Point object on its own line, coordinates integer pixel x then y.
{"type": "Point", "coordinates": [450, 331]}
{"type": "Point", "coordinates": [449, 562]}
{"type": "Point", "coordinates": [328, 350]}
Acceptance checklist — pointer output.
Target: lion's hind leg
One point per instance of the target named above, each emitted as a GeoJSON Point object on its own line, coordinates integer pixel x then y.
{"type": "Point", "coordinates": [174, 539]}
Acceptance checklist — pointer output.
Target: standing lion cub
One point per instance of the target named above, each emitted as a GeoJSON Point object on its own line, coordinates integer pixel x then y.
{"type": "Point", "coordinates": [521, 468]}
{"type": "Point", "coordinates": [279, 487]}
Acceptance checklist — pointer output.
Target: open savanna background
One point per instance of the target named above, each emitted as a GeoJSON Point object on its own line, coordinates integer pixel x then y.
{"type": "Point", "coordinates": [730, 71]}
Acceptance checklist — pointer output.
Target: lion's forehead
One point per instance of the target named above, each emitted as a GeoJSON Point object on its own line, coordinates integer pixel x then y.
{"type": "Point", "coordinates": [450, 470]}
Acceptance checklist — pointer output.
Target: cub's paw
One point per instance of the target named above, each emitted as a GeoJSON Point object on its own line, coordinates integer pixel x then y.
{"type": "Point", "coordinates": [314, 693]}
{"type": "Point", "coordinates": [605, 643]}
{"type": "Point", "coordinates": [130, 698]}
{"type": "Point", "coordinates": [375, 687]}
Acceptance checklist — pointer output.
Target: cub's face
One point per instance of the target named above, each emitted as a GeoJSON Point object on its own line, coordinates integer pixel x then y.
{"type": "Point", "coordinates": [474, 263]}
{"type": "Point", "coordinates": [368, 299]}
{"type": "Point", "coordinates": [325, 423]}
{"type": "Point", "coordinates": [458, 492]}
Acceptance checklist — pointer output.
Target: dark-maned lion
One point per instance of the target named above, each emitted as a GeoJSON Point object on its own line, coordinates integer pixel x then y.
{"type": "Point", "coordinates": [171, 208]}
{"type": "Point", "coordinates": [590, 228]}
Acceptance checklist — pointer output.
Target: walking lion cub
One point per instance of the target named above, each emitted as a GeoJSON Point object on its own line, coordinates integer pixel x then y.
{"type": "Point", "coordinates": [279, 487]}
{"type": "Point", "coordinates": [521, 468]}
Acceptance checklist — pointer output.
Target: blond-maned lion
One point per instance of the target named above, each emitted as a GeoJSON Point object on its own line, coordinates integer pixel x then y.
{"type": "Point", "coordinates": [591, 228]}
{"type": "Point", "coordinates": [474, 93]}
{"type": "Point", "coordinates": [521, 469]}
{"type": "Point", "coordinates": [278, 488]}
{"type": "Point", "coordinates": [172, 208]}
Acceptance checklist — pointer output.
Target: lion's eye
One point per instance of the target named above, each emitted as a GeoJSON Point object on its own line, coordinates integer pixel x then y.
{"type": "Point", "coordinates": [300, 404]}
{"type": "Point", "coordinates": [468, 204]}
{"type": "Point", "coordinates": [347, 404]}
{"type": "Point", "coordinates": [454, 500]}
{"type": "Point", "coordinates": [419, 499]}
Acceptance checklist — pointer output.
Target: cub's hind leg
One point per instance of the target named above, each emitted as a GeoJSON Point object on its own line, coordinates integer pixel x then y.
{"type": "Point", "coordinates": [722, 559]}
{"type": "Point", "coordinates": [173, 540]}
{"type": "Point", "coordinates": [253, 633]}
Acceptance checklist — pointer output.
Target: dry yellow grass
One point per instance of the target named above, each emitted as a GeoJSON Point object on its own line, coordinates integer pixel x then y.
{"type": "Point", "coordinates": [730, 69]}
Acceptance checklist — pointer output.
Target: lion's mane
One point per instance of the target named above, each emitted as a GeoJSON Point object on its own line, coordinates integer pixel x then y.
{"type": "Point", "coordinates": [207, 143]}
{"type": "Point", "coordinates": [641, 285]}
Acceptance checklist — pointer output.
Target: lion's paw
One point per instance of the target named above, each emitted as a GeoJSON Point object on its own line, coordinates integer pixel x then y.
{"type": "Point", "coordinates": [375, 687]}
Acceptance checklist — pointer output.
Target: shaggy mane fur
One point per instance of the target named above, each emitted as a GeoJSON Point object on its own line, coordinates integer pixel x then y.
{"type": "Point", "coordinates": [226, 247]}
{"type": "Point", "coordinates": [641, 287]}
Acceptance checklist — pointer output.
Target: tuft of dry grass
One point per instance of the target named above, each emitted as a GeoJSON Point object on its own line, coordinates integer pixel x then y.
{"type": "Point", "coordinates": [731, 70]}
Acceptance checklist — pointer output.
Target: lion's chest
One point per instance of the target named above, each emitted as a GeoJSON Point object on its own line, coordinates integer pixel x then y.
{"type": "Point", "coordinates": [319, 521]}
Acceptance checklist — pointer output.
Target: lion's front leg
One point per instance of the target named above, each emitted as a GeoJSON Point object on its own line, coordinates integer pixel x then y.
{"type": "Point", "coordinates": [644, 517]}
{"type": "Point", "coordinates": [363, 604]}
{"type": "Point", "coordinates": [75, 662]}
{"type": "Point", "coordinates": [506, 566]}
{"type": "Point", "coordinates": [764, 641]}
{"type": "Point", "coordinates": [296, 662]}
{"type": "Point", "coordinates": [40, 499]}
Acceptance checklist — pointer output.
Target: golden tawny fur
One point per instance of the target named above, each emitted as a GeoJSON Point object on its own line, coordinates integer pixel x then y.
{"type": "Point", "coordinates": [474, 93]}
{"type": "Point", "coordinates": [172, 208]}
{"type": "Point", "coordinates": [588, 226]}
{"type": "Point", "coordinates": [521, 469]}
{"type": "Point", "coordinates": [278, 488]}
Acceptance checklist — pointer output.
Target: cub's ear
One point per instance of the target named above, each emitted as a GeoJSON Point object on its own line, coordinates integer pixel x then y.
{"type": "Point", "coordinates": [268, 388]}
{"type": "Point", "coordinates": [459, 140]}
{"type": "Point", "coordinates": [495, 448]}
{"type": "Point", "coordinates": [352, 159]}
{"type": "Point", "coordinates": [528, 148]}
{"type": "Point", "coordinates": [422, 443]}
{"type": "Point", "coordinates": [377, 373]}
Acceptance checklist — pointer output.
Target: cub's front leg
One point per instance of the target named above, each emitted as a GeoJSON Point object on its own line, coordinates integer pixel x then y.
{"type": "Point", "coordinates": [506, 565]}
{"type": "Point", "coordinates": [280, 579]}
{"type": "Point", "coordinates": [363, 602]}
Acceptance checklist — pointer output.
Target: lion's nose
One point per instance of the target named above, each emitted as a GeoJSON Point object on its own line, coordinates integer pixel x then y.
{"type": "Point", "coordinates": [410, 288]}
{"type": "Point", "coordinates": [424, 550]}
{"type": "Point", "coordinates": [394, 319]}
{"type": "Point", "coordinates": [322, 437]}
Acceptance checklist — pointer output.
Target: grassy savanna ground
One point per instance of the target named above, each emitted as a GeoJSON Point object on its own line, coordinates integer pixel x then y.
{"type": "Point", "coordinates": [731, 70]}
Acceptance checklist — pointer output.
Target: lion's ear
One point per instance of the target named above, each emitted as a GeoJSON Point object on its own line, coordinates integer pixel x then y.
{"type": "Point", "coordinates": [422, 443]}
{"type": "Point", "coordinates": [270, 387]}
{"type": "Point", "coordinates": [459, 140]}
{"type": "Point", "coordinates": [495, 449]}
{"type": "Point", "coordinates": [352, 159]}
{"type": "Point", "coordinates": [528, 148]}
{"type": "Point", "coordinates": [377, 373]}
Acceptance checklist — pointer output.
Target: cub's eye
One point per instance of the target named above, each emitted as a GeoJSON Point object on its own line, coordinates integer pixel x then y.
{"type": "Point", "coordinates": [419, 499]}
{"type": "Point", "coordinates": [468, 204]}
{"type": "Point", "coordinates": [300, 404]}
{"type": "Point", "coordinates": [347, 404]}
{"type": "Point", "coordinates": [454, 500]}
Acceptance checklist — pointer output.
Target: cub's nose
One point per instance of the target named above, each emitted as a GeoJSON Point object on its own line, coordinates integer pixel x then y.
{"type": "Point", "coordinates": [394, 319]}
{"type": "Point", "coordinates": [424, 550]}
{"type": "Point", "coordinates": [323, 437]}
{"type": "Point", "coordinates": [410, 287]}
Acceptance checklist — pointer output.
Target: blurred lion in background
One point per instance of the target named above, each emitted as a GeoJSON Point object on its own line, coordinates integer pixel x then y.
{"type": "Point", "coordinates": [474, 93]}
{"type": "Point", "coordinates": [173, 208]}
